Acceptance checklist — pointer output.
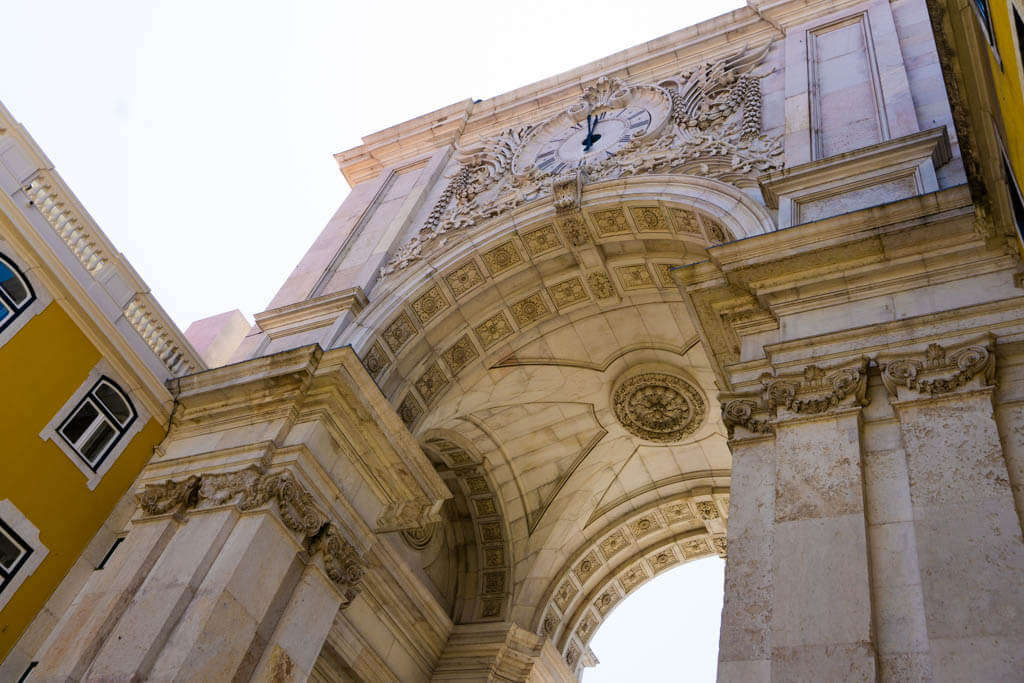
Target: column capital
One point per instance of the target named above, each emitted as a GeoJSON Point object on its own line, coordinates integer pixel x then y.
{"type": "Point", "coordinates": [939, 370]}
{"type": "Point", "coordinates": [276, 492]}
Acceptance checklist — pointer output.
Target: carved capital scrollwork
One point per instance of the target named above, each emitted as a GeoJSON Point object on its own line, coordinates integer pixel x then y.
{"type": "Point", "coordinates": [294, 502]}
{"type": "Point", "coordinates": [939, 371]}
{"type": "Point", "coordinates": [817, 390]}
{"type": "Point", "coordinates": [250, 488]}
{"type": "Point", "coordinates": [740, 413]}
{"type": "Point", "coordinates": [341, 561]}
{"type": "Point", "coordinates": [170, 496]}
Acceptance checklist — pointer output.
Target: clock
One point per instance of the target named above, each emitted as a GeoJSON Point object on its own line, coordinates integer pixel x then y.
{"type": "Point", "coordinates": [588, 134]}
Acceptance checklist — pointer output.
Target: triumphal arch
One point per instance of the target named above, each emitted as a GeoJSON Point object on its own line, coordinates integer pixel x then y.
{"type": "Point", "coordinates": [727, 292]}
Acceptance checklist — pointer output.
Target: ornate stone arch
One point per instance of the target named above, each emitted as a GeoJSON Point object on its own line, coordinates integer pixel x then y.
{"type": "Point", "coordinates": [431, 320]}
{"type": "Point", "coordinates": [484, 583]}
{"type": "Point", "coordinates": [627, 553]}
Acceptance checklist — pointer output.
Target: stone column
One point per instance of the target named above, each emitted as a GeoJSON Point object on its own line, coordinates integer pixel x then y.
{"type": "Point", "coordinates": [744, 651]}
{"type": "Point", "coordinates": [798, 598]}
{"type": "Point", "coordinates": [968, 536]}
{"type": "Point", "coordinates": [248, 573]}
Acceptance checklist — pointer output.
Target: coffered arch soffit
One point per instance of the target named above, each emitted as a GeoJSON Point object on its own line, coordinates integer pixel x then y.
{"type": "Point", "coordinates": [507, 337]}
{"type": "Point", "coordinates": [624, 555]}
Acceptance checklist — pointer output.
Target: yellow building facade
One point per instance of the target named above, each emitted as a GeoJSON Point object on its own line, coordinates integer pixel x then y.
{"type": "Point", "coordinates": [85, 352]}
{"type": "Point", "coordinates": [1005, 24]}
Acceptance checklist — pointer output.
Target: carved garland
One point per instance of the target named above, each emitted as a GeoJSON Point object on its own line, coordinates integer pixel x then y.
{"type": "Point", "coordinates": [827, 390]}
{"type": "Point", "coordinates": [250, 488]}
{"type": "Point", "coordinates": [965, 364]}
{"type": "Point", "coordinates": [714, 131]}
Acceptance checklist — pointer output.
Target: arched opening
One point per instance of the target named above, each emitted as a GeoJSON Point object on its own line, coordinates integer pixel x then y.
{"type": "Point", "coordinates": [665, 631]}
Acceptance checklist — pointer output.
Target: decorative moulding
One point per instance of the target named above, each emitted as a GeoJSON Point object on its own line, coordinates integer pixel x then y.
{"type": "Point", "coordinates": [328, 390]}
{"type": "Point", "coordinates": [879, 174]}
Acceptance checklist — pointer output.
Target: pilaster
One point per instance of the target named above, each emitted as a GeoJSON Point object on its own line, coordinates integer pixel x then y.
{"type": "Point", "coordinates": [797, 492]}
{"type": "Point", "coordinates": [968, 536]}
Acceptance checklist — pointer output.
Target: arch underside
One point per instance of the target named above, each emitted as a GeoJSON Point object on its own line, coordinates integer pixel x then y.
{"type": "Point", "coordinates": [510, 343]}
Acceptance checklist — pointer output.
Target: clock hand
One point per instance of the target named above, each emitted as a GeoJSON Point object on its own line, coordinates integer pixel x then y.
{"type": "Point", "coordinates": [592, 134]}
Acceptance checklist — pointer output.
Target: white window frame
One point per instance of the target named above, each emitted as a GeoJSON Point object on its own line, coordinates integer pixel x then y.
{"type": "Point", "coordinates": [41, 298]}
{"type": "Point", "coordinates": [52, 433]}
{"type": "Point", "coordinates": [29, 534]}
{"type": "Point", "coordinates": [1018, 49]}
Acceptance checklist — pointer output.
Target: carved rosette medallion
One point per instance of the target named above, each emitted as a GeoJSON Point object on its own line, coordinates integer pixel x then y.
{"type": "Point", "coordinates": [659, 407]}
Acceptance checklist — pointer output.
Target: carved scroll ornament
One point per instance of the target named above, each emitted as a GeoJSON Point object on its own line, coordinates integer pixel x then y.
{"type": "Point", "coordinates": [714, 130]}
{"type": "Point", "coordinates": [740, 413]}
{"type": "Point", "coordinates": [250, 489]}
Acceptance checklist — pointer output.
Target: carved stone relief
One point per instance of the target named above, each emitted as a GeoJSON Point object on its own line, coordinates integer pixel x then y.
{"type": "Point", "coordinates": [713, 129]}
{"type": "Point", "coordinates": [376, 360]}
{"type": "Point", "coordinates": [429, 304]}
{"type": "Point", "coordinates": [431, 383]}
{"type": "Point", "coordinates": [529, 310]}
{"type": "Point", "coordinates": [252, 488]}
{"type": "Point", "coordinates": [568, 293]}
{"type": "Point", "coordinates": [399, 332]}
{"type": "Point", "coordinates": [541, 240]}
{"type": "Point", "coordinates": [658, 407]}
{"type": "Point", "coordinates": [464, 278]}
{"type": "Point", "coordinates": [460, 354]}
{"type": "Point", "coordinates": [493, 330]}
{"type": "Point", "coordinates": [634, 277]}
{"type": "Point", "coordinates": [938, 371]}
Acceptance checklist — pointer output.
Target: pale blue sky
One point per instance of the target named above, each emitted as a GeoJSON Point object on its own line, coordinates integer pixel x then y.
{"type": "Point", "coordinates": [199, 135]}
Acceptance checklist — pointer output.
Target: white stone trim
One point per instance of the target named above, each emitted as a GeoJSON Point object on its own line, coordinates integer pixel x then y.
{"type": "Point", "coordinates": [30, 534]}
{"type": "Point", "coordinates": [42, 295]}
{"type": "Point", "coordinates": [49, 432]}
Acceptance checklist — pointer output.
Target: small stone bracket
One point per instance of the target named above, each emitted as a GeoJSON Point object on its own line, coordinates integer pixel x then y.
{"type": "Point", "coordinates": [566, 190]}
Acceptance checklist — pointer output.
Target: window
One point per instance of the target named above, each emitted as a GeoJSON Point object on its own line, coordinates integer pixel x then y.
{"type": "Point", "coordinates": [21, 551]}
{"type": "Point", "coordinates": [14, 552]}
{"type": "Point", "coordinates": [98, 422]}
{"type": "Point", "coordinates": [15, 292]}
{"type": "Point", "coordinates": [984, 15]}
{"type": "Point", "coordinates": [1016, 200]}
{"type": "Point", "coordinates": [1018, 27]}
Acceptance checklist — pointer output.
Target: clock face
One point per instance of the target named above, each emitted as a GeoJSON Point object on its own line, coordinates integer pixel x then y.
{"type": "Point", "coordinates": [574, 139]}
{"type": "Point", "coordinates": [596, 140]}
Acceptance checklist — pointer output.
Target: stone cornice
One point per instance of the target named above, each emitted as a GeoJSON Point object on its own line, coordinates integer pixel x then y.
{"type": "Point", "coordinates": [538, 101]}
{"type": "Point", "coordinates": [311, 314]}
